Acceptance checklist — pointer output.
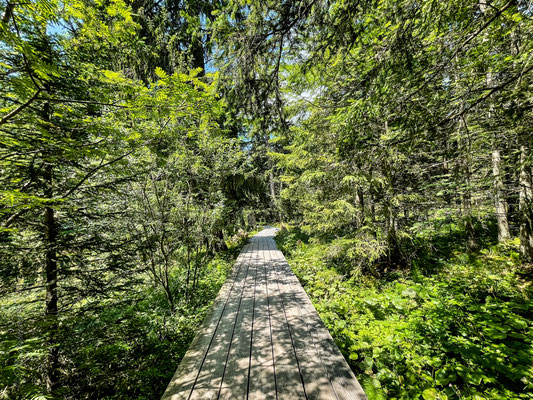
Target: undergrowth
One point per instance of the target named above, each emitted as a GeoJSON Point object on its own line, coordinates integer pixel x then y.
{"type": "Point", "coordinates": [456, 325]}
{"type": "Point", "coordinates": [125, 348]}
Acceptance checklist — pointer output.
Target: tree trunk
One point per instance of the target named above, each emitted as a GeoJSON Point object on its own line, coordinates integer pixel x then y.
{"type": "Point", "coordinates": [526, 207]}
{"type": "Point", "coordinates": [391, 222]}
{"type": "Point", "coordinates": [391, 226]}
{"type": "Point", "coordinates": [197, 52]}
{"type": "Point", "coordinates": [272, 187]}
{"type": "Point", "coordinates": [467, 193]}
{"type": "Point", "coordinates": [197, 262]}
{"type": "Point", "coordinates": [252, 222]}
{"type": "Point", "coordinates": [187, 289]}
{"type": "Point", "coordinates": [165, 280]}
{"type": "Point", "coordinates": [51, 273]}
{"type": "Point", "coordinates": [467, 207]}
{"type": "Point", "coordinates": [219, 242]}
{"type": "Point", "coordinates": [360, 204]}
{"type": "Point", "coordinates": [371, 205]}
{"type": "Point", "coordinates": [500, 204]}
{"type": "Point", "coordinates": [51, 309]}
{"type": "Point", "coordinates": [170, 298]}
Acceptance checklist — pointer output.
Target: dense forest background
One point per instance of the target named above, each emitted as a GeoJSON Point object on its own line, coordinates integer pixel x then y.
{"type": "Point", "coordinates": [142, 141]}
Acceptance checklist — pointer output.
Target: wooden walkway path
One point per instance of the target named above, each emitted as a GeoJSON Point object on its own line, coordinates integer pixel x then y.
{"type": "Point", "coordinates": [263, 339]}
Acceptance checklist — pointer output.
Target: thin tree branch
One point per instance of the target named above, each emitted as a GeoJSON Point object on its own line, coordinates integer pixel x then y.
{"type": "Point", "coordinates": [17, 110]}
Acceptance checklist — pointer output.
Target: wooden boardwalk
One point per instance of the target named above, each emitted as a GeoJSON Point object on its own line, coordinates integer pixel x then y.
{"type": "Point", "coordinates": [263, 339]}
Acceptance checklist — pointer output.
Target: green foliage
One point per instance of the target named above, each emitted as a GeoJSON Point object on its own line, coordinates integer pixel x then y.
{"type": "Point", "coordinates": [125, 165]}
{"type": "Point", "coordinates": [126, 347]}
{"type": "Point", "coordinates": [360, 254]}
{"type": "Point", "coordinates": [465, 332]}
{"type": "Point", "coordinates": [114, 203]}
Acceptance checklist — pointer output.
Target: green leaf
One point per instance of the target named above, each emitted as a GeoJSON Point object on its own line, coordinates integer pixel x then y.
{"type": "Point", "coordinates": [430, 394]}
{"type": "Point", "coordinates": [494, 333]}
{"type": "Point", "coordinates": [518, 323]}
{"type": "Point", "coordinates": [372, 388]}
{"type": "Point", "coordinates": [160, 73]}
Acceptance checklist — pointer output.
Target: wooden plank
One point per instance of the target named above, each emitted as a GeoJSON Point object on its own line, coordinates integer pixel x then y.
{"type": "Point", "coordinates": [263, 339]}
{"type": "Point", "coordinates": [289, 384]}
{"type": "Point", "coordinates": [314, 374]}
{"type": "Point", "coordinates": [262, 380]}
{"type": "Point", "coordinates": [208, 382]}
{"type": "Point", "coordinates": [182, 382]}
{"type": "Point", "coordinates": [237, 365]}
{"type": "Point", "coordinates": [337, 370]}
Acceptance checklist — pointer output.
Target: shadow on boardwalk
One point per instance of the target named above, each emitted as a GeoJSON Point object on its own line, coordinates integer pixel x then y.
{"type": "Point", "coordinates": [263, 339]}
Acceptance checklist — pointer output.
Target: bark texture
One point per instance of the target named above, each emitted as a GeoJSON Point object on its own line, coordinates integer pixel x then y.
{"type": "Point", "coordinates": [526, 207]}
{"type": "Point", "coordinates": [500, 204]}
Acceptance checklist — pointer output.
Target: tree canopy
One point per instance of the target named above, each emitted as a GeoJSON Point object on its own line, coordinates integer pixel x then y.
{"type": "Point", "coordinates": [141, 141]}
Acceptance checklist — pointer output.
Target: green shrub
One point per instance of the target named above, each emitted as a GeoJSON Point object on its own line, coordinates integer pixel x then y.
{"type": "Point", "coordinates": [126, 348]}
{"type": "Point", "coordinates": [353, 256]}
{"type": "Point", "coordinates": [465, 332]}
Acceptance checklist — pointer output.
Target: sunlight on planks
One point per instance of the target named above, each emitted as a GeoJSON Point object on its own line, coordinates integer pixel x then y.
{"type": "Point", "coordinates": [263, 339]}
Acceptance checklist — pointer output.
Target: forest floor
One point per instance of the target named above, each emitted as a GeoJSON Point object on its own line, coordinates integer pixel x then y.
{"type": "Point", "coordinates": [452, 325]}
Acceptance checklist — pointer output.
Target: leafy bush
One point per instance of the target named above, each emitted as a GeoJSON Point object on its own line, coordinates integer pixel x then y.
{"type": "Point", "coordinates": [127, 348]}
{"type": "Point", "coordinates": [465, 332]}
{"type": "Point", "coordinates": [355, 255]}
{"type": "Point", "coordinates": [240, 238]}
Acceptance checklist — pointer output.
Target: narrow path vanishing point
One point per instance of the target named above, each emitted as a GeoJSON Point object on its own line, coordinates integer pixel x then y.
{"type": "Point", "coordinates": [263, 339]}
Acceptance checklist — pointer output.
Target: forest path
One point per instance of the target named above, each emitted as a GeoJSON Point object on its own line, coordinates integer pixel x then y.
{"type": "Point", "coordinates": [263, 339]}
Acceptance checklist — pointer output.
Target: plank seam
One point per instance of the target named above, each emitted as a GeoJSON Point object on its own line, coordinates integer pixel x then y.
{"type": "Point", "coordinates": [351, 381]}
{"type": "Point", "coordinates": [270, 327]}
{"type": "Point", "coordinates": [251, 261]}
{"type": "Point", "coordinates": [292, 293]}
{"type": "Point", "coordinates": [288, 325]}
{"type": "Point", "coordinates": [218, 323]}
{"type": "Point", "coordinates": [222, 297]}
{"type": "Point", "coordinates": [251, 336]}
